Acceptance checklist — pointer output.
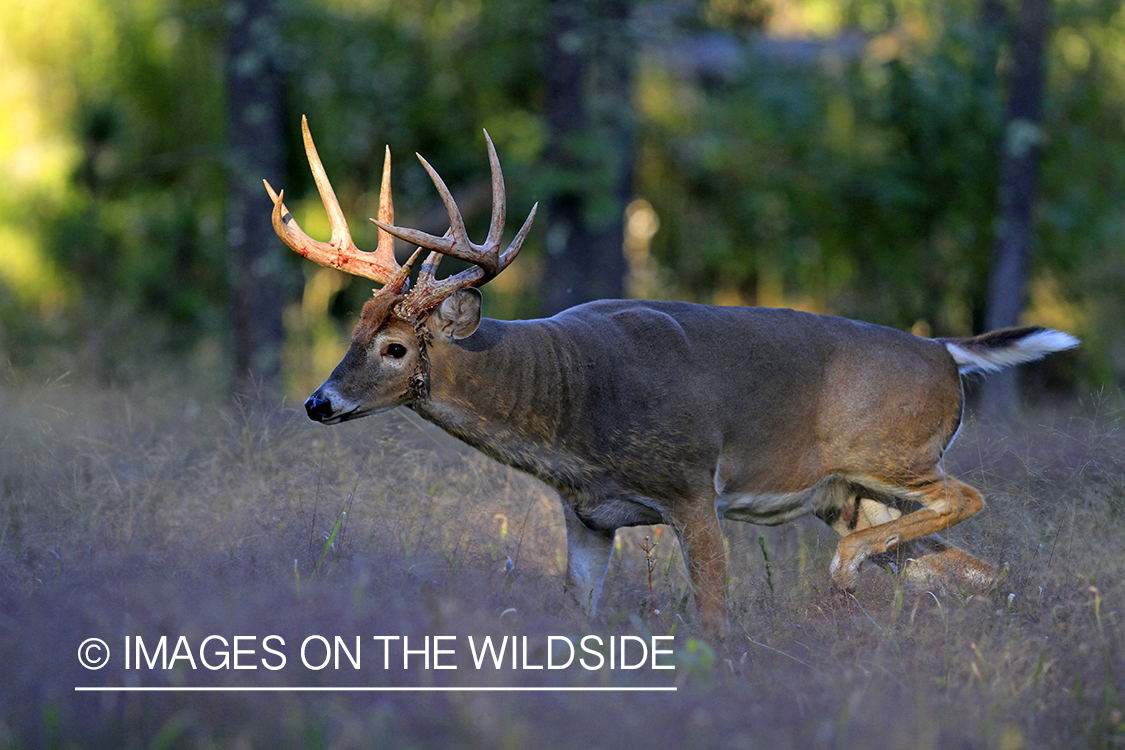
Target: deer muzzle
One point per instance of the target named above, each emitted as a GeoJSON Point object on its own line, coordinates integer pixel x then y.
{"type": "Point", "coordinates": [318, 409]}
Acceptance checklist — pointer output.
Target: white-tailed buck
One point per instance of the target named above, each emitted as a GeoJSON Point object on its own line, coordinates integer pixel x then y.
{"type": "Point", "coordinates": [659, 412]}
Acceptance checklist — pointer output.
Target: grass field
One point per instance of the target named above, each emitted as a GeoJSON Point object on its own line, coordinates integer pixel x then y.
{"type": "Point", "coordinates": [148, 513]}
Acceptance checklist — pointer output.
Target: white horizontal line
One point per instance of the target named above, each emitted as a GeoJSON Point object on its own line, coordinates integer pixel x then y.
{"type": "Point", "coordinates": [380, 689]}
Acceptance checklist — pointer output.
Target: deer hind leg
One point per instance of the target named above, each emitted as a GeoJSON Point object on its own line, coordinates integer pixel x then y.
{"type": "Point", "coordinates": [929, 562]}
{"type": "Point", "coordinates": [701, 541]}
{"type": "Point", "coordinates": [587, 559]}
{"type": "Point", "coordinates": [946, 502]}
{"type": "Point", "coordinates": [943, 565]}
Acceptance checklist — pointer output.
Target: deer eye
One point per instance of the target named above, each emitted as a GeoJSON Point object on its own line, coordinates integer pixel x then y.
{"type": "Point", "coordinates": [397, 351]}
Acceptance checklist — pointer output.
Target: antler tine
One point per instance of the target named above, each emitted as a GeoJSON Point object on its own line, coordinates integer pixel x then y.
{"type": "Point", "coordinates": [517, 243]}
{"type": "Point", "coordinates": [340, 252]}
{"type": "Point", "coordinates": [386, 249]}
{"type": "Point", "coordinates": [428, 270]}
{"type": "Point", "coordinates": [341, 236]}
{"type": "Point", "coordinates": [457, 238]}
{"type": "Point", "coordinates": [455, 242]}
{"type": "Point", "coordinates": [499, 201]}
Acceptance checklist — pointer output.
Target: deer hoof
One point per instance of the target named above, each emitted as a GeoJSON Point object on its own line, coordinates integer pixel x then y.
{"type": "Point", "coordinates": [845, 570]}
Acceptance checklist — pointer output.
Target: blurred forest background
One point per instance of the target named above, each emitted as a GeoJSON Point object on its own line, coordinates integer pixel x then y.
{"type": "Point", "coordinates": [942, 167]}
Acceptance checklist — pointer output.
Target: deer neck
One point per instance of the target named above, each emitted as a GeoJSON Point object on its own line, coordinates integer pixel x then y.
{"type": "Point", "coordinates": [497, 390]}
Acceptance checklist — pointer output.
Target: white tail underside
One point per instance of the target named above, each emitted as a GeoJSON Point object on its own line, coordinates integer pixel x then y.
{"type": "Point", "coordinates": [1034, 346]}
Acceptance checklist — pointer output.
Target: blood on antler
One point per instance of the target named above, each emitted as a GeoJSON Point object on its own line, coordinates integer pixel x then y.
{"type": "Point", "coordinates": [340, 252]}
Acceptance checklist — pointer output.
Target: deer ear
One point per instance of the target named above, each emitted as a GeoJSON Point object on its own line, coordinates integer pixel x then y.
{"type": "Point", "coordinates": [458, 315]}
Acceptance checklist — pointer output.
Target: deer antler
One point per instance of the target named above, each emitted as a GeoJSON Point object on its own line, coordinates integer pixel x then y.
{"type": "Point", "coordinates": [340, 252]}
{"type": "Point", "coordinates": [487, 259]}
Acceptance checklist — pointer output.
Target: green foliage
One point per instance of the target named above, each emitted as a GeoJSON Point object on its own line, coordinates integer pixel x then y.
{"type": "Point", "coordinates": [422, 77]}
{"type": "Point", "coordinates": [844, 158]}
{"type": "Point", "coordinates": [131, 223]}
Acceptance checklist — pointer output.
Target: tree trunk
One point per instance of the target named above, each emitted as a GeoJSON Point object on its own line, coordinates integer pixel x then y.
{"type": "Point", "coordinates": [1018, 178]}
{"type": "Point", "coordinates": [256, 139]}
{"type": "Point", "coordinates": [588, 72]}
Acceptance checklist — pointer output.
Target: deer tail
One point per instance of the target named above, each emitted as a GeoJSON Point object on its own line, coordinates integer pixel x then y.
{"type": "Point", "coordinates": [1005, 347]}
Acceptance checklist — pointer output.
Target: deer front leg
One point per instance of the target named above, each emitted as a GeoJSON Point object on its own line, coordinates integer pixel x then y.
{"type": "Point", "coordinates": [701, 540]}
{"type": "Point", "coordinates": [587, 559]}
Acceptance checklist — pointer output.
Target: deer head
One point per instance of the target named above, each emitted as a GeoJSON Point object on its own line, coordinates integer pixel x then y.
{"type": "Point", "coordinates": [387, 363]}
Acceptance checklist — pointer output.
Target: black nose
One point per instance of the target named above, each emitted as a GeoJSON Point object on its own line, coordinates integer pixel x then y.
{"type": "Point", "coordinates": [318, 409]}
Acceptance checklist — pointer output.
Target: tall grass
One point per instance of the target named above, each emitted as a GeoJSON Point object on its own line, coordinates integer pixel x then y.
{"type": "Point", "coordinates": [152, 512]}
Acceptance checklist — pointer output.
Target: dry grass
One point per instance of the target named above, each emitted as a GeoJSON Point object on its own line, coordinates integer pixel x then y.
{"type": "Point", "coordinates": [148, 514]}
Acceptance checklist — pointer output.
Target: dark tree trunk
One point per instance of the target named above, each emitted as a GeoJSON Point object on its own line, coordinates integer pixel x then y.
{"type": "Point", "coordinates": [588, 72]}
{"type": "Point", "coordinates": [1018, 182]}
{"type": "Point", "coordinates": [256, 139]}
